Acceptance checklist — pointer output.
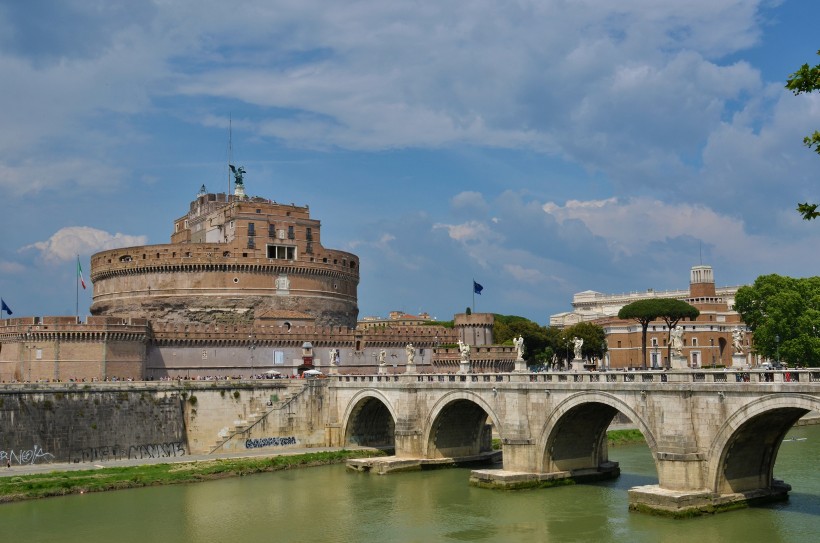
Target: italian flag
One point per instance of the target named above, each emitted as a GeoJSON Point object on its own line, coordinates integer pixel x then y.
{"type": "Point", "coordinates": [80, 273]}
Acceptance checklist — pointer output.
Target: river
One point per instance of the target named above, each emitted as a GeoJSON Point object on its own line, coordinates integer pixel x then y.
{"type": "Point", "coordinates": [329, 504]}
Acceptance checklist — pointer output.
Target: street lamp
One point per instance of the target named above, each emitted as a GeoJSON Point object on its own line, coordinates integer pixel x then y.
{"type": "Point", "coordinates": [777, 347]}
{"type": "Point", "coordinates": [712, 351]}
{"type": "Point", "coordinates": [252, 348]}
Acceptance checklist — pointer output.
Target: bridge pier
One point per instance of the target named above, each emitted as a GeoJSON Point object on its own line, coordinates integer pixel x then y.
{"type": "Point", "coordinates": [687, 503]}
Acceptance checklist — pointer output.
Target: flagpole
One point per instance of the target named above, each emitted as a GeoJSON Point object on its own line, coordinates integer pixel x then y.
{"type": "Point", "coordinates": [473, 294]}
{"type": "Point", "coordinates": [77, 290]}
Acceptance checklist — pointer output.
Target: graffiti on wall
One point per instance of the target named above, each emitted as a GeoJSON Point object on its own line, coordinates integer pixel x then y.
{"type": "Point", "coordinates": [133, 452]}
{"type": "Point", "coordinates": [25, 456]}
{"type": "Point", "coordinates": [269, 442]}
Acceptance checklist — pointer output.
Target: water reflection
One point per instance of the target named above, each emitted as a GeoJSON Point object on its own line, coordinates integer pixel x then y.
{"type": "Point", "coordinates": [329, 504]}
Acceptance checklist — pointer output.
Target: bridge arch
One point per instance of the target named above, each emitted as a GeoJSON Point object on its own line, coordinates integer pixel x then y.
{"type": "Point", "coordinates": [369, 420]}
{"type": "Point", "coordinates": [574, 435]}
{"type": "Point", "coordinates": [455, 425]}
{"type": "Point", "coordinates": [744, 450]}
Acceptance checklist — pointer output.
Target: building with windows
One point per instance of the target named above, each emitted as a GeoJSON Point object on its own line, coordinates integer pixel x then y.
{"type": "Point", "coordinates": [707, 341]}
{"type": "Point", "coordinates": [230, 260]}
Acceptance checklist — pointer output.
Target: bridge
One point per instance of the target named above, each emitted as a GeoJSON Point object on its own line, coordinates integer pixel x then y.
{"type": "Point", "coordinates": [714, 435]}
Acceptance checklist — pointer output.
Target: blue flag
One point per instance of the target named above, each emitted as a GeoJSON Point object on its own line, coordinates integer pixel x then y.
{"type": "Point", "coordinates": [477, 288]}
{"type": "Point", "coordinates": [4, 307]}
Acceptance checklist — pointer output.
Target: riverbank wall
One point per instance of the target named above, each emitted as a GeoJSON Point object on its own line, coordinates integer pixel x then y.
{"type": "Point", "coordinates": [99, 422]}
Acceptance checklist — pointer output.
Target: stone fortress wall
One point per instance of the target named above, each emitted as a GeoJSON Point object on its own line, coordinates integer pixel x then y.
{"type": "Point", "coordinates": [245, 288]}
{"type": "Point", "coordinates": [230, 260]}
{"type": "Point", "coordinates": [185, 283]}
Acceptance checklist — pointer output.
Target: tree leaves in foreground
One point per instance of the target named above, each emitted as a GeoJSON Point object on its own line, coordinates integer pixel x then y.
{"type": "Point", "coordinates": [807, 80]}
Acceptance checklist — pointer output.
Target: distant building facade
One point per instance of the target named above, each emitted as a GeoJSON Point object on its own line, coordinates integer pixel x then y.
{"type": "Point", "coordinates": [707, 341]}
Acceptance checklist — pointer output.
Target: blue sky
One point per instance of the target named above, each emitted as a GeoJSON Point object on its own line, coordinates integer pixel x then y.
{"type": "Point", "coordinates": [543, 148]}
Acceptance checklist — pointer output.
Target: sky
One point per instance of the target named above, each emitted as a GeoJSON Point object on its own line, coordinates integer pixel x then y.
{"type": "Point", "coordinates": [539, 148]}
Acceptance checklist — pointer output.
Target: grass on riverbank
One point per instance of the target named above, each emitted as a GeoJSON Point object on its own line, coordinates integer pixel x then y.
{"type": "Point", "coordinates": [623, 437]}
{"type": "Point", "coordinates": [614, 438]}
{"type": "Point", "coordinates": [28, 487]}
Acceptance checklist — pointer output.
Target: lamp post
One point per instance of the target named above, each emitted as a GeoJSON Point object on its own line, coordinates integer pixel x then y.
{"type": "Point", "coordinates": [252, 348]}
{"type": "Point", "coordinates": [777, 347]}
{"type": "Point", "coordinates": [568, 353]}
{"type": "Point", "coordinates": [603, 355]}
{"type": "Point", "coordinates": [711, 350]}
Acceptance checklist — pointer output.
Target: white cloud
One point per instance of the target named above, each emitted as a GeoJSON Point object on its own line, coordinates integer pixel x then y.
{"type": "Point", "coordinates": [11, 267]}
{"type": "Point", "coordinates": [525, 275]}
{"type": "Point", "coordinates": [71, 241]}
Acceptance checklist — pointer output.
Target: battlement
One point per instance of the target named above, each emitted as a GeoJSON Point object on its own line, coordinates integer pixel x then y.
{"type": "Point", "coordinates": [214, 257]}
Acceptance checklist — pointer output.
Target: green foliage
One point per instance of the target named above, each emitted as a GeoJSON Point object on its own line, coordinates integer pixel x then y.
{"type": "Point", "coordinates": [670, 310]}
{"type": "Point", "coordinates": [468, 311]}
{"type": "Point", "coordinates": [594, 338]}
{"type": "Point", "coordinates": [507, 327]}
{"type": "Point", "coordinates": [623, 437]}
{"type": "Point", "coordinates": [444, 324]}
{"type": "Point", "coordinates": [785, 309]}
{"type": "Point", "coordinates": [806, 80]}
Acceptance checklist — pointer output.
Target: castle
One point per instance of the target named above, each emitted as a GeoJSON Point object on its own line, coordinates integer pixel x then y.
{"type": "Point", "coordinates": [245, 288]}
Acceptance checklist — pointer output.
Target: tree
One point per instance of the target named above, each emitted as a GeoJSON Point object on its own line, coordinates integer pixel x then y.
{"type": "Point", "coordinates": [784, 315]}
{"type": "Point", "coordinates": [806, 80]}
{"type": "Point", "coordinates": [672, 312]}
{"type": "Point", "coordinates": [507, 327]}
{"type": "Point", "coordinates": [646, 311]}
{"type": "Point", "coordinates": [594, 337]}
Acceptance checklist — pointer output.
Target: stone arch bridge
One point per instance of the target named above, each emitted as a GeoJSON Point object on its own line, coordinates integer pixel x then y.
{"type": "Point", "coordinates": [714, 435]}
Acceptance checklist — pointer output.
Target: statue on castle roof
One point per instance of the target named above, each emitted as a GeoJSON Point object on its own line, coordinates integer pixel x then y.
{"type": "Point", "coordinates": [238, 173]}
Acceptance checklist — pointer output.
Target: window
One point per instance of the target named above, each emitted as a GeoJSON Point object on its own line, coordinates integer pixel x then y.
{"type": "Point", "coordinates": [272, 231]}
{"type": "Point", "coordinates": [251, 229]}
{"type": "Point", "coordinates": [309, 234]}
{"type": "Point", "coordinates": [281, 252]}
{"type": "Point", "coordinates": [694, 342]}
{"type": "Point", "coordinates": [309, 248]}
{"type": "Point", "coordinates": [290, 233]}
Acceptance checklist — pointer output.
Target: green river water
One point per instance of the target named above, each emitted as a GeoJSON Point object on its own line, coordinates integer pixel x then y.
{"type": "Point", "coordinates": [329, 504]}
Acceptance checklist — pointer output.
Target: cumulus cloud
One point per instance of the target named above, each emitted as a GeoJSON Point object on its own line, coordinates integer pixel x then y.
{"type": "Point", "coordinates": [71, 241]}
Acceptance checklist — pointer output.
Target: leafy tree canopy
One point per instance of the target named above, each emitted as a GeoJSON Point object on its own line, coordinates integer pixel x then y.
{"type": "Point", "coordinates": [594, 338]}
{"type": "Point", "coordinates": [507, 327]}
{"type": "Point", "coordinates": [784, 314]}
{"type": "Point", "coordinates": [806, 80]}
